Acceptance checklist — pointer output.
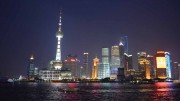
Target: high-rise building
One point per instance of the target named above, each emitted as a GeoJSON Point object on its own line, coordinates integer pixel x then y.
{"type": "Point", "coordinates": [124, 41]}
{"type": "Point", "coordinates": [121, 55]}
{"type": "Point", "coordinates": [36, 72]}
{"type": "Point", "coordinates": [104, 67]}
{"type": "Point", "coordinates": [152, 67]}
{"type": "Point", "coordinates": [31, 68]}
{"type": "Point", "coordinates": [115, 62]}
{"type": "Point", "coordinates": [121, 71]}
{"type": "Point", "coordinates": [143, 65]}
{"type": "Point", "coordinates": [175, 70]}
{"type": "Point", "coordinates": [86, 70]}
{"type": "Point", "coordinates": [95, 68]}
{"type": "Point", "coordinates": [168, 65]}
{"type": "Point", "coordinates": [161, 64]}
{"type": "Point", "coordinates": [72, 63]}
{"type": "Point", "coordinates": [128, 62]}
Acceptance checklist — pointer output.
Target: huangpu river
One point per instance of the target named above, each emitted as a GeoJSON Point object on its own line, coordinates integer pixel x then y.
{"type": "Point", "coordinates": [32, 91]}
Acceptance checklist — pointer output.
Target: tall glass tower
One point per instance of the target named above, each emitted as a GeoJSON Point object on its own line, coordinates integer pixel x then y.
{"type": "Point", "coordinates": [86, 69]}
{"type": "Point", "coordinates": [104, 67]}
{"type": "Point", "coordinates": [124, 41]}
{"type": "Point", "coordinates": [115, 62]}
{"type": "Point", "coordinates": [31, 68]}
{"type": "Point", "coordinates": [168, 65]}
{"type": "Point", "coordinates": [121, 54]}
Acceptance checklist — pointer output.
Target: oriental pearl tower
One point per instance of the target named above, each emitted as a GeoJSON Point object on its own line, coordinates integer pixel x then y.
{"type": "Point", "coordinates": [57, 63]}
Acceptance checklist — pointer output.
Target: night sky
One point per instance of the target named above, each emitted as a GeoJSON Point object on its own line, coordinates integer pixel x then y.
{"type": "Point", "coordinates": [29, 27]}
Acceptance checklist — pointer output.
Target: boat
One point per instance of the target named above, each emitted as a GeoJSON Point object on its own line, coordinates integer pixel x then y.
{"type": "Point", "coordinates": [10, 81]}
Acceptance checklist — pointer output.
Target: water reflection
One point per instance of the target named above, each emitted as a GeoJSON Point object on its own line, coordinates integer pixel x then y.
{"type": "Point", "coordinates": [164, 91]}
{"type": "Point", "coordinates": [91, 91]}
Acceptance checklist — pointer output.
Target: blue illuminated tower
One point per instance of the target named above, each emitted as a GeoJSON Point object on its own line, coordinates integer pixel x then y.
{"type": "Point", "coordinates": [168, 65]}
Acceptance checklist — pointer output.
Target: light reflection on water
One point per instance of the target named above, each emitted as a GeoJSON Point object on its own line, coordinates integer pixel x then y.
{"type": "Point", "coordinates": [161, 91]}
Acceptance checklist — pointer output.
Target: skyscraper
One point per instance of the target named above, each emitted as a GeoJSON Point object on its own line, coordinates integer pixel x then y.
{"type": "Point", "coordinates": [72, 63]}
{"type": "Point", "coordinates": [161, 64]}
{"type": "Point", "coordinates": [104, 67]}
{"type": "Point", "coordinates": [143, 65]}
{"type": "Point", "coordinates": [121, 72]}
{"type": "Point", "coordinates": [128, 62]}
{"type": "Point", "coordinates": [152, 67]}
{"type": "Point", "coordinates": [95, 68]}
{"type": "Point", "coordinates": [86, 70]}
{"type": "Point", "coordinates": [124, 41]}
{"type": "Point", "coordinates": [175, 70]}
{"type": "Point", "coordinates": [115, 62]}
{"type": "Point", "coordinates": [31, 68]}
{"type": "Point", "coordinates": [168, 65]}
{"type": "Point", "coordinates": [121, 55]}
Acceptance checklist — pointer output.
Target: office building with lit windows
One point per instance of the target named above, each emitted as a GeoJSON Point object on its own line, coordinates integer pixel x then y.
{"type": "Point", "coordinates": [124, 41]}
{"type": "Point", "coordinates": [72, 63]}
{"type": "Point", "coordinates": [95, 68]}
{"type": "Point", "coordinates": [115, 62]}
{"type": "Point", "coordinates": [31, 69]}
{"type": "Point", "coordinates": [150, 58]}
{"type": "Point", "coordinates": [128, 62]}
{"type": "Point", "coordinates": [104, 67]}
{"type": "Point", "coordinates": [121, 55]}
{"type": "Point", "coordinates": [161, 72]}
{"type": "Point", "coordinates": [143, 65]}
{"type": "Point", "coordinates": [168, 65]}
{"type": "Point", "coordinates": [86, 72]}
{"type": "Point", "coordinates": [175, 70]}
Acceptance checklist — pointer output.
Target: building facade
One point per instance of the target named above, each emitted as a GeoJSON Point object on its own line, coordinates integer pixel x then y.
{"type": "Point", "coordinates": [50, 75]}
{"type": "Point", "coordinates": [161, 72]}
{"type": "Point", "coordinates": [143, 65]}
{"type": "Point", "coordinates": [95, 68]}
{"type": "Point", "coordinates": [121, 55]}
{"type": "Point", "coordinates": [124, 41]}
{"type": "Point", "coordinates": [152, 66]}
{"type": "Point", "coordinates": [115, 62]}
{"type": "Point", "coordinates": [72, 63]}
{"type": "Point", "coordinates": [175, 70]}
{"type": "Point", "coordinates": [168, 65]}
{"type": "Point", "coordinates": [31, 69]}
{"type": "Point", "coordinates": [104, 67]}
{"type": "Point", "coordinates": [86, 73]}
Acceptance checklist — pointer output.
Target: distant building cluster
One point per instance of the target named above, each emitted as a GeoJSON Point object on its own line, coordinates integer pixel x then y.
{"type": "Point", "coordinates": [116, 64]}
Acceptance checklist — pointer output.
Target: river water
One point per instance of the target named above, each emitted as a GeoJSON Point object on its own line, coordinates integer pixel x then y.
{"type": "Point", "coordinates": [162, 91]}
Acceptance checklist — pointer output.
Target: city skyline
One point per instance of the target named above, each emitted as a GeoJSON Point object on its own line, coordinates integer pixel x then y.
{"type": "Point", "coordinates": [28, 28]}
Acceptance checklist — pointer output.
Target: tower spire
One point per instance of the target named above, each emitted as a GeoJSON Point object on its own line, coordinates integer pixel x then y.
{"type": "Point", "coordinates": [59, 36]}
{"type": "Point", "coordinates": [60, 23]}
